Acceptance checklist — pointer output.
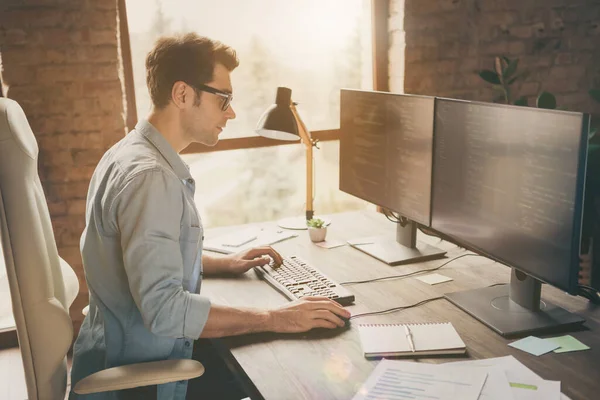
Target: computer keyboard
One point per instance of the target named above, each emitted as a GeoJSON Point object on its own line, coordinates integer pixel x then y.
{"type": "Point", "coordinates": [295, 278]}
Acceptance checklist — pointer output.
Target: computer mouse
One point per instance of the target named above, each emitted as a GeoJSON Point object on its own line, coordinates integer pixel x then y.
{"type": "Point", "coordinates": [346, 321]}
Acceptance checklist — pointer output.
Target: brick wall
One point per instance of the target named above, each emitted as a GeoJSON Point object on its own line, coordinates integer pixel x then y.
{"type": "Point", "coordinates": [60, 59]}
{"type": "Point", "coordinates": [445, 41]}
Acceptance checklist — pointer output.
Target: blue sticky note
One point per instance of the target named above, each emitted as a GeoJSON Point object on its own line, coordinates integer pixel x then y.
{"type": "Point", "coordinates": [534, 345]}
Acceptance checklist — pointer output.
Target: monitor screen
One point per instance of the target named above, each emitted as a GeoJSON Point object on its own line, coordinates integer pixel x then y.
{"type": "Point", "coordinates": [386, 151]}
{"type": "Point", "coordinates": [508, 181]}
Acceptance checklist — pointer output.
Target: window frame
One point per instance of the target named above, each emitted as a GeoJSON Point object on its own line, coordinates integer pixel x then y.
{"type": "Point", "coordinates": [380, 47]}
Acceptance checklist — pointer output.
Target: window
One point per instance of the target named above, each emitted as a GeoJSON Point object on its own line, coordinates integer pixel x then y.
{"type": "Point", "coordinates": [314, 47]}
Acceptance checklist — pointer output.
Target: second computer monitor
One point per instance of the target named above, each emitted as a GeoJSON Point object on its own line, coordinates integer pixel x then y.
{"type": "Point", "coordinates": [508, 182]}
{"type": "Point", "coordinates": [386, 158]}
{"type": "Point", "coordinates": [386, 151]}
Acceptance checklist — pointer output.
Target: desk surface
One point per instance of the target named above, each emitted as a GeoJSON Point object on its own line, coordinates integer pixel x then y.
{"type": "Point", "coordinates": [331, 365]}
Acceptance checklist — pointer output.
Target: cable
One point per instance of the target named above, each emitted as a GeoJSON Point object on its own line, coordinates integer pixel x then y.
{"type": "Point", "coordinates": [410, 273]}
{"type": "Point", "coordinates": [396, 308]}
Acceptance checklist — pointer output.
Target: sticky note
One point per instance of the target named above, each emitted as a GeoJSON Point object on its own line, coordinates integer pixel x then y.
{"type": "Point", "coordinates": [330, 244]}
{"type": "Point", "coordinates": [567, 343]}
{"type": "Point", "coordinates": [434, 279]}
{"type": "Point", "coordinates": [534, 345]}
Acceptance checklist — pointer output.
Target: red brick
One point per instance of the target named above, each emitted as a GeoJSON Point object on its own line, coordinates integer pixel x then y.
{"type": "Point", "coordinates": [68, 190]}
{"type": "Point", "coordinates": [88, 157]}
{"type": "Point", "coordinates": [64, 73]}
{"type": "Point", "coordinates": [522, 32]}
{"type": "Point", "coordinates": [103, 53]}
{"type": "Point", "coordinates": [68, 229]}
{"type": "Point", "coordinates": [71, 254]}
{"type": "Point", "coordinates": [56, 158]}
{"type": "Point", "coordinates": [69, 174]}
{"type": "Point", "coordinates": [516, 48]}
{"type": "Point", "coordinates": [102, 88]}
{"type": "Point", "coordinates": [14, 74]}
{"type": "Point", "coordinates": [17, 36]}
{"type": "Point", "coordinates": [529, 89]}
{"type": "Point", "coordinates": [76, 207]}
{"type": "Point", "coordinates": [573, 72]}
{"type": "Point", "coordinates": [57, 208]}
{"type": "Point", "coordinates": [103, 36]}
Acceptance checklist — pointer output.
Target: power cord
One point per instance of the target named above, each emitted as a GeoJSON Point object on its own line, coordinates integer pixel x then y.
{"type": "Point", "coordinates": [410, 273]}
{"type": "Point", "coordinates": [400, 308]}
{"type": "Point", "coordinates": [397, 308]}
{"type": "Point", "coordinates": [589, 293]}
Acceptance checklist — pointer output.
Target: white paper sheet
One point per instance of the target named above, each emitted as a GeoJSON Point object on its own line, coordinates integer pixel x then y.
{"type": "Point", "coordinates": [496, 385]}
{"type": "Point", "coordinates": [420, 381]}
{"type": "Point", "coordinates": [516, 368]}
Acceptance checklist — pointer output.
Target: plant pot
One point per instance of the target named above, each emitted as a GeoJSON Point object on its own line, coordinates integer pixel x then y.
{"type": "Point", "coordinates": [317, 234]}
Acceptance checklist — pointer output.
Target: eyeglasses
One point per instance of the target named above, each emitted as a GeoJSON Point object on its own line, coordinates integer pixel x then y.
{"type": "Point", "coordinates": [227, 97]}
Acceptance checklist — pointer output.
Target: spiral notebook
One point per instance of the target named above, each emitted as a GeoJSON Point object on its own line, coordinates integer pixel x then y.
{"type": "Point", "coordinates": [392, 341]}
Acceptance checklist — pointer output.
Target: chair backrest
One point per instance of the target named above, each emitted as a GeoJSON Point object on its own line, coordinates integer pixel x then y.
{"type": "Point", "coordinates": [40, 297]}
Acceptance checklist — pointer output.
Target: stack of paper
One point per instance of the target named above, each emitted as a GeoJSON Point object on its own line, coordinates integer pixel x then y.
{"type": "Point", "coordinates": [247, 239]}
{"type": "Point", "coordinates": [409, 380]}
{"type": "Point", "coordinates": [524, 383]}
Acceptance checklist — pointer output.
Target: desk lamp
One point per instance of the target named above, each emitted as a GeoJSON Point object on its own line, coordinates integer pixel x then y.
{"type": "Point", "coordinates": [282, 122]}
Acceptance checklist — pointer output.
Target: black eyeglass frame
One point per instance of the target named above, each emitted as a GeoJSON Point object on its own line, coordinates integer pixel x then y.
{"type": "Point", "coordinates": [227, 97]}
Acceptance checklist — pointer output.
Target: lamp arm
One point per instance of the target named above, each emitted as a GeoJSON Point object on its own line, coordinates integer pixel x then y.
{"type": "Point", "coordinates": [309, 143]}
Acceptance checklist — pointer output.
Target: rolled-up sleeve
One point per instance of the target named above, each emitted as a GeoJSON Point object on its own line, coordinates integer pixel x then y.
{"type": "Point", "coordinates": [148, 212]}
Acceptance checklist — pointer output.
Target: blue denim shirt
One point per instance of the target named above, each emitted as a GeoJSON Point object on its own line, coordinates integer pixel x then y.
{"type": "Point", "coordinates": [141, 250]}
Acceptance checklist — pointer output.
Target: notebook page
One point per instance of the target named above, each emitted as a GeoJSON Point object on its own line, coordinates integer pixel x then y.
{"type": "Point", "coordinates": [435, 337]}
{"type": "Point", "coordinates": [392, 338]}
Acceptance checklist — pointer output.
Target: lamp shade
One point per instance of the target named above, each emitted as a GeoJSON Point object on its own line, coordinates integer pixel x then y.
{"type": "Point", "coordinates": [278, 122]}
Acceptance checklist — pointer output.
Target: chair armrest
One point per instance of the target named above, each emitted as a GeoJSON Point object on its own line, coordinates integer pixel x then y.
{"type": "Point", "coordinates": [142, 374]}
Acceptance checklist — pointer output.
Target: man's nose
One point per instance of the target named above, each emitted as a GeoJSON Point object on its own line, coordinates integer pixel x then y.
{"type": "Point", "coordinates": [230, 113]}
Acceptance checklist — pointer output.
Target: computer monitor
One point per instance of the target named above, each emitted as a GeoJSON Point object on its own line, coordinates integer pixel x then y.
{"type": "Point", "coordinates": [385, 158]}
{"type": "Point", "coordinates": [508, 182]}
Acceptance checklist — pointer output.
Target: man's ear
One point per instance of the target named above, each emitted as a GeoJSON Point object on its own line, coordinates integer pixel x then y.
{"type": "Point", "coordinates": [180, 94]}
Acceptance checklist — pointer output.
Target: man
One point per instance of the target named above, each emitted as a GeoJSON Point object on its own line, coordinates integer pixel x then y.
{"type": "Point", "coordinates": [142, 244]}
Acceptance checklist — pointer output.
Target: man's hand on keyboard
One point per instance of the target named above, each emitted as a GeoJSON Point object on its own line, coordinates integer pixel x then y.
{"type": "Point", "coordinates": [306, 314]}
{"type": "Point", "coordinates": [255, 257]}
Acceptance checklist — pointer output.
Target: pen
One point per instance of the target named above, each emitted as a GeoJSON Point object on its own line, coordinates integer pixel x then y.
{"type": "Point", "coordinates": [410, 338]}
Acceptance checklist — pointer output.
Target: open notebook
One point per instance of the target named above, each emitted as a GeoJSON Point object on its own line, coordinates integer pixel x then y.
{"type": "Point", "coordinates": [391, 340]}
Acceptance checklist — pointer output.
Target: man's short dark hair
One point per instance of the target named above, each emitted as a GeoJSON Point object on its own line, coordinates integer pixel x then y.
{"type": "Point", "coordinates": [189, 58]}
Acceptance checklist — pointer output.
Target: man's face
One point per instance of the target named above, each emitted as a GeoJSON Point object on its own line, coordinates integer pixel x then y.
{"type": "Point", "coordinates": [203, 123]}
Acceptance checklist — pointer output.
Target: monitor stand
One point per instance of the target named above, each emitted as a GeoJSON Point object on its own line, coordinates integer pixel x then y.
{"type": "Point", "coordinates": [404, 250]}
{"type": "Point", "coordinates": [515, 309]}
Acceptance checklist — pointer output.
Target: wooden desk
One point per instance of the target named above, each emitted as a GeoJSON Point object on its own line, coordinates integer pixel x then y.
{"type": "Point", "coordinates": [331, 365]}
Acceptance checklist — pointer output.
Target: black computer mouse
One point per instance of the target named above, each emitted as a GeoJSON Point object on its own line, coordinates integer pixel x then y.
{"type": "Point", "coordinates": [346, 321]}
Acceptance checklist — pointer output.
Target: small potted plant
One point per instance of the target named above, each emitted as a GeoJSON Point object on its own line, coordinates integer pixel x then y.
{"type": "Point", "coordinates": [316, 229]}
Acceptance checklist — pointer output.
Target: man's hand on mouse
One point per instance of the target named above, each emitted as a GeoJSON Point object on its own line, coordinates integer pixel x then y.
{"type": "Point", "coordinates": [241, 262]}
{"type": "Point", "coordinates": [306, 314]}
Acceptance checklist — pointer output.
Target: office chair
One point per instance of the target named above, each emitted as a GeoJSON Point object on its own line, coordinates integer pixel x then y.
{"type": "Point", "coordinates": [43, 286]}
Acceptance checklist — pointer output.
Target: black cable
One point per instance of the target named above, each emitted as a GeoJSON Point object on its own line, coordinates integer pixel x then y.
{"type": "Point", "coordinates": [410, 273]}
{"type": "Point", "coordinates": [396, 308]}
{"type": "Point", "coordinates": [589, 293]}
{"type": "Point", "coordinates": [389, 310]}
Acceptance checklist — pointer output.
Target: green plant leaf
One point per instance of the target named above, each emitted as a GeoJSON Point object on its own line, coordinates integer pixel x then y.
{"type": "Point", "coordinates": [511, 69]}
{"type": "Point", "coordinates": [595, 93]}
{"type": "Point", "coordinates": [498, 88]}
{"type": "Point", "coordinates": [546, 100]}
{"type": "Point", "coordinates": [512, 80]}
{"type": "Point", "coordinates": [592, 133]}
{"type": "Point", "coordinates": [489, 76]}
{"type": "Point", "coordinates": [521, 101]}
{"type": "Point", "coordinates": [506, 60]}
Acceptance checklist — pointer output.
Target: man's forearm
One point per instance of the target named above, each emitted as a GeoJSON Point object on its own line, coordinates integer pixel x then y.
{"type": "Point", "coordinates": [214, 264]}
{"type": "Point", "coordinates": [226, 321]}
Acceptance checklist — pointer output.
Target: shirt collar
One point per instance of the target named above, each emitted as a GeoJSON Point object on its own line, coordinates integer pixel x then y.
{"type": "Point", "coordinates": [165, 149]}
